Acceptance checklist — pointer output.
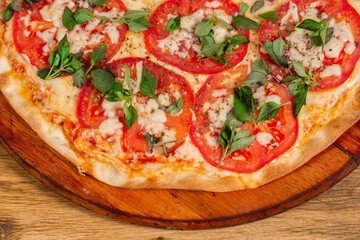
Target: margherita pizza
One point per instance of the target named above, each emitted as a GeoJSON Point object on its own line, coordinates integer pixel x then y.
{"type": "Point", "coordinates": [213, 95]}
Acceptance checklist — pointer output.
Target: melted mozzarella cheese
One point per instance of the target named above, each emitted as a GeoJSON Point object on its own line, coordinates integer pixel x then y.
{"type": "Point", "coordinates": [111, 107]}
{"type": "Point", "coordinates": [150, 117]}
{"type": "Point", "coordinates": [218, 111]}
{"type": "Point", "coordinates": [264, 138]}
{"type": "Point", "coordinates": [48, 37]}
{"type": "Point", "coordinates": [261, 98]}
{"type": "Point", "coordinates": [110, 127]}
{"type": "Point", "coordinates": [332, 70]}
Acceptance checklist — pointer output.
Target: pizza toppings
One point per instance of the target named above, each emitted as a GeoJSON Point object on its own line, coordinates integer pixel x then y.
{"type": "Point", "coordinates": [319, 35]}
{"type": "Point", "coordinates": [200, 34]}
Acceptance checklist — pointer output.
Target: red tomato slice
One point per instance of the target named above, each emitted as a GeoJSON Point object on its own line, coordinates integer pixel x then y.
{"type": "Point", "coordinates": [27, 42]}
{"type": "Point", "coordinates": [342, 12]}
{"type": "Point", "coordinates": [192, 63]}
{"type": "Point", "coordinates": [283, 129]}
{"type": "Point", "coordinates": [167, 82]}
{"type": "Point", "coordinates": [89, 112]}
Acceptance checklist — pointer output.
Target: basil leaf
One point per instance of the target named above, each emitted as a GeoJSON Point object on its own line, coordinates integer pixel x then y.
{"type": "Point", "coordinates": [148, 84]}
{"type": "Point", "coordinates": [102, 80]}
{"type": "Point", "coordinates": [173, 24]}
{"type": "Point", "coordinates": [97, 2]}
{"type": "Point", "coordinates": [54, 59]}
{"type": "Point", "coordinates": [135, 14]}
{"type": "Point", "coordinates": [268, 111]}
{"type": "Point", "coordinates": [210, 49]}
{"type": "Point", "coordinates": [8, 13]}
{"type": "Point", "coordinates": [300, 99]}
{"type": "Point", "coordinates": [299, 69]}
{"type": "Point", "coordinates": [75, 63]}
{"type": "Point", "coordinates": [244, 103]}
{"type": "Point", "coordinates": [98, 55]}
{"type": "Point", "coordinates": [225, 135]}
{"type": "Point", "coordinates": [83, 15]}
{"type": "Point", "coordinates": [207, 40]}
{"type": "Point", "coordinates": [127, 78]}
{"type": "Point", "coordinates": [43, 73]}
{"type": "Point", "coordinates": [204, 27]}
{"type": "Point", "coordinates": [279, 47]}
{"type": "Point", "coordinates": [222, 60]}
{"type": "Point", "coordinates": [136, 27]}
{"type": "Point", "coordinates": [243, 8]}
{"type": "Point", "coordinates": [256, 79]}
{"type": "Point", "coordinates": [79, 78]}
{"type": "Point", "coordinates": [151, 140]}
{"type": "Point", "coordinates": [260, 66]}
{"type": "Point", "coordinates": [16, 6]}
{"type": "Point", "coordinates": [63, 48]}
{"type": "Point", "coordinates": [232, 118]}
{"type": "Point", "coordinates": [309, 24]}
{"type": "Point", "coordinates": [130, 115]}
{"type": "Point", "coordinates": [272, 15]}
{"type": "Point", "coordinates": [228, 26]}
{"type": "Point", "coordinates": [68, 19]}
{"type": "Point", "coordinates": [175, 108]}
{"type": "Point", "coordinates": [116, 93]}
{"type": "Point", "coordinates": [241, 22]}
{"type": "Point", "coordinates": [143, 21]}
{"type": "Point", "coordinates": [268, 46]}
{"type": "Point", "coordinates": [103, 19]}
{"type": "Point", "coordinates": [241, 143]}
{"type": "Point", "coordinates": [257, 5]}
{"type": "Point", "coordinates": [290, 78]}
{"type": "Point", "coordinates": [242, 134]}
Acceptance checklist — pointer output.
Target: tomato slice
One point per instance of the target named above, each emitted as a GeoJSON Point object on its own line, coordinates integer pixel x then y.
{"type": "Point", "coordinates": [205, 132]}
{"type": "Point", "coordinates": [342, 12]}
{"type": "Point", "coordinates": [168, 83]}
{"type": "Point", "coordinates": [89, 112]}
{"type": "Point", "coordinates": [191, 61]}
{"type": "Point", "coordinates": [29, 25]}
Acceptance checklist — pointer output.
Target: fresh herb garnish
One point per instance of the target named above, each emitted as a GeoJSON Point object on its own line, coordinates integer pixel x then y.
{"type": "Point", "coordinates": [259, 74]}
{"type": "Point", "coordinates": [164, 145]}
{"type": "Point", "coordinates": [151, 140]}
{"type": "Point", "coordinates": [244, 104]}
{"type": "Point", "coordinates": [322, 34]}
{"type": "Point", "coordinates": [269, 111]}
{"type": "Point", "coordinates": [276, 50]}
{"type": "Point", "coordinates": [232, 141]}
{"type": "Point", "coordinates": [96, 57]}
{"type": "Point", "coordinates": [173, 24]}
{"type": "Point", "coordinates": [71, 19]}
{"type": "Point", "coordinates": [14, 6]}
{"type": "Point", "coordinates": [257, 5]}
{"type": "Point", "coordinates": [130, 114]}
{"type": "Point", "coordinates": [300, 85]}
{"type": "Point", "coordinates": [243, 8]}
{"type": "Point", "coordinates": [102, 80]}
{"type": "Point", "coordinates": [136, 20]}
{"type": "Point", "coordinates": [176, 107]}
{"type": "Point", "coordinates": [241, 22]}
{"type": "Point", "coordinates": [97, 2]}
{"type": "Point", "coordinates": [272, 15]}
{"type": "Point", "coordinates": [62, 62]}
{"type": "Point", "coordinates": [148, 86]}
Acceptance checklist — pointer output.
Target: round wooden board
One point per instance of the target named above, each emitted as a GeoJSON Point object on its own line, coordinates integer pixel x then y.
{"type": "Point", "coordinates": [176, 209]}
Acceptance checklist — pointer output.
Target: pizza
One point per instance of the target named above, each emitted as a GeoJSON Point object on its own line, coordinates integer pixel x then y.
{"type": "Point", "coordinates": [198, 95]}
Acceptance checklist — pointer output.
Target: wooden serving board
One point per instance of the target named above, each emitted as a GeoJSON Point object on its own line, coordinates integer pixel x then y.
{"type": "Point", "coordinates": [177, 209]}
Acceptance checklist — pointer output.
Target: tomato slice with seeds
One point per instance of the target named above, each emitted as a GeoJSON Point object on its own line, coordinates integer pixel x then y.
{"type": "Point", "coordinates": [168, 83]}
{"type": "Point", "coordinates": [281, 131]}
{"type": "Point", "coordinates": [89, 112]}
{"type": "Point", "coordinates": [342, 12]}
{"type": "Point", "coordinates": [189, 59]}
{"type": "Point", "coordinates": [30, 25]}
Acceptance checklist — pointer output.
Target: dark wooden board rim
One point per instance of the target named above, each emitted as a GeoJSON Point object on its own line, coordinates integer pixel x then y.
{"type": "Point", "coordinates": [329, 182]}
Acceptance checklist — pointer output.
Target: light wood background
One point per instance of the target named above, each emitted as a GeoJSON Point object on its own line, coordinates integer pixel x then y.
{"type": "Point", "coordinates": [29, 210]}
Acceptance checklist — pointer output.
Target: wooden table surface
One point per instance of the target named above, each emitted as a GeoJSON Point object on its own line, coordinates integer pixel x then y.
{"type": "Point", "coordinates": [29, 210]}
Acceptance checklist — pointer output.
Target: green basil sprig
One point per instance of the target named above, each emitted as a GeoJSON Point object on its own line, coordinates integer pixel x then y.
{"type": "Point", "coordinates": [244, 104]}
{"type": "Point", "coordinates": [136, 20]}
{"type": "Point", "coordinates": [276, 50]}
{"type": "Point", "coordinates": [322, 34]}
{"type": "Point", "coordinates": [259, 74]}
{"type": "Point", "coordinates": [164, 145]}
{"type": "Point", "coordinates": [231, 141]}
{"type": "Point", "coordinates": [62, 62]}
{"type": "Point", "coordinates": [300, 85]}
{"type": "Point", "coordinates": [242, 22]}
{"type": "Point", "coordinates": [173, 24]}
{"type": "Point", "coordinates": [71, 19]}
{"type": "Point", "coordinates": [176, 107]}
{"type": "Point", "coordinates": [272, 15]}
{"type": "Point", "coordinates": [269, 111]}
{"type": "Point", "coordinates": [152, 139]}
{"type": "Point", "coordinates": [14, 6]}
{"type": "Point", "coordinates": [257, 6]}
{"type": "Point", "coordinates": [97, 2]}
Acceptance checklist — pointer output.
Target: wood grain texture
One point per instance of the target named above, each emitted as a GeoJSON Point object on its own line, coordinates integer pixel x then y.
{"type": "Point", "coordinates": [174, 208]}
{"type": "Point", "coordinates": [29, 210]}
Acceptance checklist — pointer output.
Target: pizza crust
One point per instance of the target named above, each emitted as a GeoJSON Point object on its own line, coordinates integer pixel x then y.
{"type": "Point", "coordinates": [320, 133]}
